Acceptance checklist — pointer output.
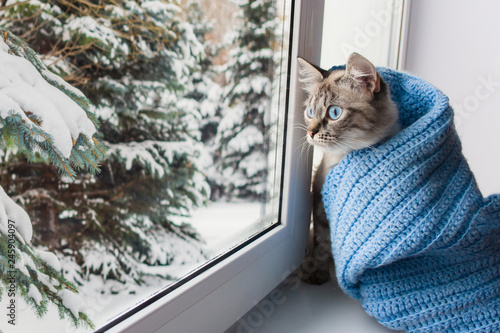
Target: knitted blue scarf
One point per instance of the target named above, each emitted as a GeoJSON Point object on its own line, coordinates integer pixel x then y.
{"type": "Point", "coordinates": [412, 237]}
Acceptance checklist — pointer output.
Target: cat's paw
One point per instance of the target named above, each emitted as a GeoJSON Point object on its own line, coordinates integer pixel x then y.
{"type": "Point", "coordinates": [318, 277]}
{"type": "Point", "coordinates": [313, 275]}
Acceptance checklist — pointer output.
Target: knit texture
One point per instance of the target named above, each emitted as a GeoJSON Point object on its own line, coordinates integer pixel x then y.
{"type": "Point", "coordinates": [412, 236]}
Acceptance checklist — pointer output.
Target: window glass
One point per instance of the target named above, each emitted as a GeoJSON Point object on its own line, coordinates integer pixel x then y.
{"type": "Point", "coordinates": [178, 108]}
{"type": "Point", "coordinates": [374, 31]}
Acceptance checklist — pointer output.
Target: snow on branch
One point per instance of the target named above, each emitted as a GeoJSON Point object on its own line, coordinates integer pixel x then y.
{"type": "Point", "coordinates": [41, 113]}
{"type": "Point", "coordinates": [9, 210]}
{"type": "Point", "coordinates": [155, 156]}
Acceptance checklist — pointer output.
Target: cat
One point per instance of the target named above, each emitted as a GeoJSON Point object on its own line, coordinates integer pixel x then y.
{"type": "Point", "coordinates": [345, 110]}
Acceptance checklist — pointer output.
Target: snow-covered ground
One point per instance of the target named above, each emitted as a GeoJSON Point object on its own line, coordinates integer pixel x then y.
{"type": "Point", "coordinates": [221, 225]}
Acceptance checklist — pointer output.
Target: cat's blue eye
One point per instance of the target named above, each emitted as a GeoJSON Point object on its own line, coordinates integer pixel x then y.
{"type": "Point", "coordinates": [334, 112]}
{"type": "Point", "coordinates": [309, 112]}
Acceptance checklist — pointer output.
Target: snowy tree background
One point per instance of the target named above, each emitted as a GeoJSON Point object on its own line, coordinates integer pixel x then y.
{"type": "Point", "coordinates": [134, 61]}
{"type": "Point", "coordinates": [242, 139]}
{"type": "Point", "coordinates": [181, 97]}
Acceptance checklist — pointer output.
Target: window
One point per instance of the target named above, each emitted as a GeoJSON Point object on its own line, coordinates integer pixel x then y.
{"type": "Point", "coordinates": [216, 298]}
{"type": "Point", "coordinates": [226, 281]}
{"type": "Point", "coordinates": [88, 207]}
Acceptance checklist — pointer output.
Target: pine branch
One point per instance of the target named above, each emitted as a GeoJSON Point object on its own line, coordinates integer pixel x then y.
{"type": "Point", "coordinates": [54, 155]}
{"type": "Point", "coordinates": [94, 167]}
{"type": "Point", "coordinates": [25, 281]}
{"type": "Point", "coordinates": [74, 159]}
{"type": "Point", "coordinates": [88, 145]}
{"type": "Point", "coordinates": [27, 143]}
{"type": "Point", "coordinates": [98, 145]}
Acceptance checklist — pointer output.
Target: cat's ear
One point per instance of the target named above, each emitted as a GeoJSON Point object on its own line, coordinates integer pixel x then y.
{"type": "Point", "coordinates": [310, 75]}
{"type": "Point", "coordinates": [363, 73]}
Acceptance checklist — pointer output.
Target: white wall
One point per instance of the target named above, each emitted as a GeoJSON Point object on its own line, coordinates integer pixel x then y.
{"type": "Point", "coordinates": [455, 45]}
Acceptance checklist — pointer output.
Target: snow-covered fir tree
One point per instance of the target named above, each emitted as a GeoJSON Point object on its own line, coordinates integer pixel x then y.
{"type": "Point", "coordinates": [242, 142]}
{"type": "Point", "coordinates": [43, 119]}
{"type": "Point", "coordinates": [135, 61]}
{"type": "Point", "coordinates": [207, 94]}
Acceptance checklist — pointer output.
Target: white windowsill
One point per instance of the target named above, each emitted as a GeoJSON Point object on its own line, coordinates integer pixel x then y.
{"type": "Point", "coordinates": [298, 307]}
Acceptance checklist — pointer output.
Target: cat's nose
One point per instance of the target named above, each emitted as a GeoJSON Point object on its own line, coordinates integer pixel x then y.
{"type": "Point", "coordinates": [312, 133]}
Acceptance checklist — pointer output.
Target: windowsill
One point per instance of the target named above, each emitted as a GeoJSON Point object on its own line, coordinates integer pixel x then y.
{"type": "Point", "coordinates": [297, 307]}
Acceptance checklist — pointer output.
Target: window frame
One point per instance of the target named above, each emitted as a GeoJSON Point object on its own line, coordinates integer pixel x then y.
{"type": "Point", "coordinates": [213, 300]}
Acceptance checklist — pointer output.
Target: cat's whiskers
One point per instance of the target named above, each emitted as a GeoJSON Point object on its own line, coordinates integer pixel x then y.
{"type": "Point", "coordinates": [343, 146]}
{"type": "Point", "coordinates": [375, 130]}
{"type": "Point", "coordinates": [365, 145]}
{"type": "Point", "coordinates": [305, 148]}
{"type": "Point", "coordinates": [300, 127]}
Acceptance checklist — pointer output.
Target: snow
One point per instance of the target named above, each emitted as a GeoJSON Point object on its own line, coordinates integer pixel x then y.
{"type": "Point", "coordinates": [72, 301]}
{"type": "Point", "coordinates": [3, 47]}
{"type": "Point", "coordinates": [68, 214]}
{"type": "Point", "coordinates": [22, 262]}
{"type": "Point", "coordinates": [35, 294]}
{"type": "Point", "coordinates": [49, 258]}
{"type": "Point", "coordinates": [222, 226]}
{"type": "Point", "coordinates": [99, 258]}
{"type": "Point", "coordinates": [23, 89]}
{"type": "Point", "coordinates": [254, 163]}
{"type": "Point", "coordinates": [231, 117]}
{"type": "Point", "coordinates": [166, 248]}
{"type": "Point", "coordinates": [257, 84]}
{"type": "Point", "coordinates": [246, 139]}
{"type": "Point", "coordinates": [9, 210]}
{"type": "Point", "coordinates": [92, 29]}
{"type": "Point", "coordinates": [261, 84]}
{"type": "Point", "coordinates": [147, 153]}
{"type": "Point", "coordinates": [48, 282]}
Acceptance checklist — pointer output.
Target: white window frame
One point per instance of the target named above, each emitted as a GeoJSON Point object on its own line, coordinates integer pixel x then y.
{"type": "Point", "coordinates": [215, 299]}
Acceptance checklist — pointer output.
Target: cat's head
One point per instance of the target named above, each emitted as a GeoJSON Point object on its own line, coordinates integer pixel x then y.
{"type": "Point", "coordinates": [347, 109]}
